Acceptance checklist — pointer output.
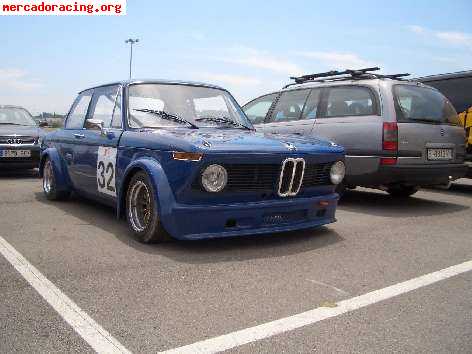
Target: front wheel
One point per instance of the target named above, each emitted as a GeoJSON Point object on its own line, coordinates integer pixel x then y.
{"type": "Point", "coordinates": [49, 183]}
{"type": "Point", "coordinates": [402, 191]}
{"type": "Point", "coordinates": [141, 210]}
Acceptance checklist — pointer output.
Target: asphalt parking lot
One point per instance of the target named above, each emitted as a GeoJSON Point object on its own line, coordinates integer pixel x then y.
{"type": "Point", "coordinates": [159, 297]}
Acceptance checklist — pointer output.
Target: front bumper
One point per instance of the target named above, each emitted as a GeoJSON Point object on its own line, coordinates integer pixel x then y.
{"type": "Point", "coordinates": [422, 175]}
{"type": "Point", "coordinates": [20, 162]}
{"type": "Point", "coordinates": [192, 222]}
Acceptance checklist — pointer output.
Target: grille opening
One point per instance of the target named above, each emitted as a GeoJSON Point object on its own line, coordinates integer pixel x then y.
{"type": "Point", "coordinates": [286, 176]}
{"type": "Point", "coordinates": [230, 223]}
{"type": "Point", "coordinates": [320, 213]}
{"type": "Point", "coordinates": [284, 217]}
{"type": "Point", "coordinates": [297, 181]}
{"type": "Point", "coordinates": [265, 178]}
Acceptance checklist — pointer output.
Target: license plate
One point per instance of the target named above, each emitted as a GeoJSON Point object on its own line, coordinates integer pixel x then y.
{"type": "Point", "coordinates": [15, 153]}
{"type": "Point", "coordinates": [439, 154]}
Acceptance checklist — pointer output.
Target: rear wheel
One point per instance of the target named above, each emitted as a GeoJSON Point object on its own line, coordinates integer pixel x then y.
{"type": "Point", "coordinates": [402, 191]}
{"type": "Point", "coordinates": [49, 183]}
{"type": "Point", "coordinates": [141, 210]}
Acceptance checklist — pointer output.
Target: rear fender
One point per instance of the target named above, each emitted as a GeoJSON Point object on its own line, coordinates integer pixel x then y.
{"type": "Point", "coordinates": [60, 170]}
{"type": "Point", "coordinates": [163, 193]}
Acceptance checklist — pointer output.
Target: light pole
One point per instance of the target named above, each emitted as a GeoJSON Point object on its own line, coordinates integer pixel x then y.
{"type": "Point", "coordinates": [131, 42]}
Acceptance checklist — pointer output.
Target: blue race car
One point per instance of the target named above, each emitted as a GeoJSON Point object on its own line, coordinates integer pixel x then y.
{"type": "Point", "coordinates": [181, 159]}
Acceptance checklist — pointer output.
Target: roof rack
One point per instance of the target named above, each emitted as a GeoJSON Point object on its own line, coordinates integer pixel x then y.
{"type": "Point", "coordinates": [349, 74]}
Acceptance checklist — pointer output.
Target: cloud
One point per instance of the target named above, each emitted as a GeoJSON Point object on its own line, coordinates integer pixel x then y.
{"type": "Point", "coordinates": [338, 60]}
{"type": "Point", "coordinates": [454, 38]}
{"type": "Point", "coordinates": [416, 29]}
{"type": "Point", "coordinates": [233, 80]}
{"type": "Point", "coordinates": [261, 60]}
{"type": "Point", "coordinates": [18, 79]}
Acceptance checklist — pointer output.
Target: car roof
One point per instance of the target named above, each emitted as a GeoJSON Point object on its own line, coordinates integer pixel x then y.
{"type": "Point", "coordinates": [344, 82]}
{"type": "Point", "coordinates": [11, 106]}
{"type": "Point", "coordinates": [447, 76]}
{"type": "Point", "coordinates": [156, 81]}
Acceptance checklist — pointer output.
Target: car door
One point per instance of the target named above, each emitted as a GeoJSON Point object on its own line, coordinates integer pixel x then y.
{"type": "Point", "coordinates": [68, 140]}
{"type": "Point", "coordinates": [257, 109]}
{"type": "Point", "coordinates": [290, 115]}
{"type": "Point", "coordinates": [96, 161]}
{"type": "Point", "coordinates": [350, 116]}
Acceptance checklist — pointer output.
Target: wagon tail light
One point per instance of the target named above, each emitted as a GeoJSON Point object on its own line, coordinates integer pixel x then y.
{"type": "Point", "coordinates": [389, 142]}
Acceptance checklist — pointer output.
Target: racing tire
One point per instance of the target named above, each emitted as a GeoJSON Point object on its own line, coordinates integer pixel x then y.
{"type": "Point", "coordinates": [402, 191]}
{"type": "Point", "coordinates": [49, 183]}
{"type": "Point", "coordinates": [142, 211]}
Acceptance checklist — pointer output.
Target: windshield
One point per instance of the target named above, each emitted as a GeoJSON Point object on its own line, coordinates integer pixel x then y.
{"type": "Point", "coordinates": [423, 104]}
{"type": "Point", "coordinates": [171, 105]}
{"type": "Point", "coordinates": [15, 116]}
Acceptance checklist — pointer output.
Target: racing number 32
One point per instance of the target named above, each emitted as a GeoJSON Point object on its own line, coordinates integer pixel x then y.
{"type": "Point", "coordinates": [106, 165]}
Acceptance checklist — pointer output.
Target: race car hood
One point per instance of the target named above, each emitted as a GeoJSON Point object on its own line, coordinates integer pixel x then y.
{"type": "Point", "coordinates": [213, 140]}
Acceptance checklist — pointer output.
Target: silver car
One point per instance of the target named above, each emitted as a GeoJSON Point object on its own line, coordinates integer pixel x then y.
{"type": "Point", "coordinates": [398, 134]}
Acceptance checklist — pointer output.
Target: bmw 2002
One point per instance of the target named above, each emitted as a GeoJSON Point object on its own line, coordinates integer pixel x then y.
{"type": "Point", "coordinates": [181, 159]}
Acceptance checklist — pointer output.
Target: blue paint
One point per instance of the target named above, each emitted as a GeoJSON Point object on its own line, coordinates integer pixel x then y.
{"type": "Point", "coordinates": [187, 211]}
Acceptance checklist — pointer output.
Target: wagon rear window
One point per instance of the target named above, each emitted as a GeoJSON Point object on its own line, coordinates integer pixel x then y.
{"type": "Point", "coordinates": [423, 104]}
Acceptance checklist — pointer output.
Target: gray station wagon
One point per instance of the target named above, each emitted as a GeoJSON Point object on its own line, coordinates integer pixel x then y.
{"type": "Point", "coordinates": [398, 134]}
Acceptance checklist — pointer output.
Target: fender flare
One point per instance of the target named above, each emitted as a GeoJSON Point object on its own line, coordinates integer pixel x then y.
{"type": "Point", "coordinates": [60, 170]}
{"type": "Point", "coordinates": [163, 193]}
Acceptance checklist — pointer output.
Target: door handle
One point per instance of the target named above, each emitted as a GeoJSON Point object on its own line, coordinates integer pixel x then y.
{"type": "Point", "coordinates": [79, 136]}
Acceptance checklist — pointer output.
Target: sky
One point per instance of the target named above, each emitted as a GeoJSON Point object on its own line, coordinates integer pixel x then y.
{"type": "Point", "coordinates": [248, 47]}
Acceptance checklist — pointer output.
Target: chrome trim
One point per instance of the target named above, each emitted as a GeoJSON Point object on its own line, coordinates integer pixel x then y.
{"type": "Point", "coordinates": [18, 145]}
{"type": "Point", "coordinates": [295, 161]}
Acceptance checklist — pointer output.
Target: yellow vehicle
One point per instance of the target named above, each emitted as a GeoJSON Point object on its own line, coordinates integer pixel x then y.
{"type": "Point", "coordinates": [457, 87]}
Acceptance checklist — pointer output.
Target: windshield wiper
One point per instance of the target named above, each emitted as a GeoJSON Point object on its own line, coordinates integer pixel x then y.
{"type": "Point", "coordinates": [222, 120]}
{"type": "Point", "coordinates": [167, 116]}
{"type": "Point", "coordinates": [2, 123]}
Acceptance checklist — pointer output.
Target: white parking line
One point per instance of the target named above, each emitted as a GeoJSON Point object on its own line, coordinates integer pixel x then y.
{"type": "Point", "coordinates": [95, 335]}
{"type": "Point", "coordinates": [252, 334]}
{"type": "Point", "coordinates": [103, 342]}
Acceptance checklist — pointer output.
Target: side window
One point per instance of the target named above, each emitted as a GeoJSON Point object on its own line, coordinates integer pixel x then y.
{"type": "Point", "coordinates": [257, 110]}
{"type": "Point", "coordinates": [103, 104]}
{"type": "Point", "coordinates": [116, 120]}
{"type": "Point", "coordinates": [290, 106]}
{"type": "Point", "coordinates": [312, 104]}
{"type": "Point", "coordinates": [350, 101]}
{"type": "Point", "coordinates": [76, 117]}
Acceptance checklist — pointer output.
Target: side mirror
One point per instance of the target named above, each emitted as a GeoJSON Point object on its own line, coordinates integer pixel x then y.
{"type": "Point", "coordinates": [95, 124]}
{"type": "Point", "coordinates": [43, 123]}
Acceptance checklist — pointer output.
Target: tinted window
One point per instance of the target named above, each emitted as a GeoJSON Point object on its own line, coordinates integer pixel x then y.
{"type": "Point", "coordinates": [77, 114]}
{"type": "Point", "coordinates": [350, 101]}
{"type": "Point", "coordinates": [415, 103]}
{"type": "Point", "coordinates": [104, 104]}
{"type": "Point", "coordinates": [257, 110]}
{"type": "Point", "coordinates": [290, 106]}
{"type": "Point", "coordinates": [457, 90]}
{"type": "Point", "coordinates": [312, 104]}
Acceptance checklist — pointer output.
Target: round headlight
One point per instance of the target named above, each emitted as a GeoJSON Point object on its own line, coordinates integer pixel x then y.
{"type": "Point", "coordinates": [337, 172]}
{"type": "Point", "coordinates": [214, 178]}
